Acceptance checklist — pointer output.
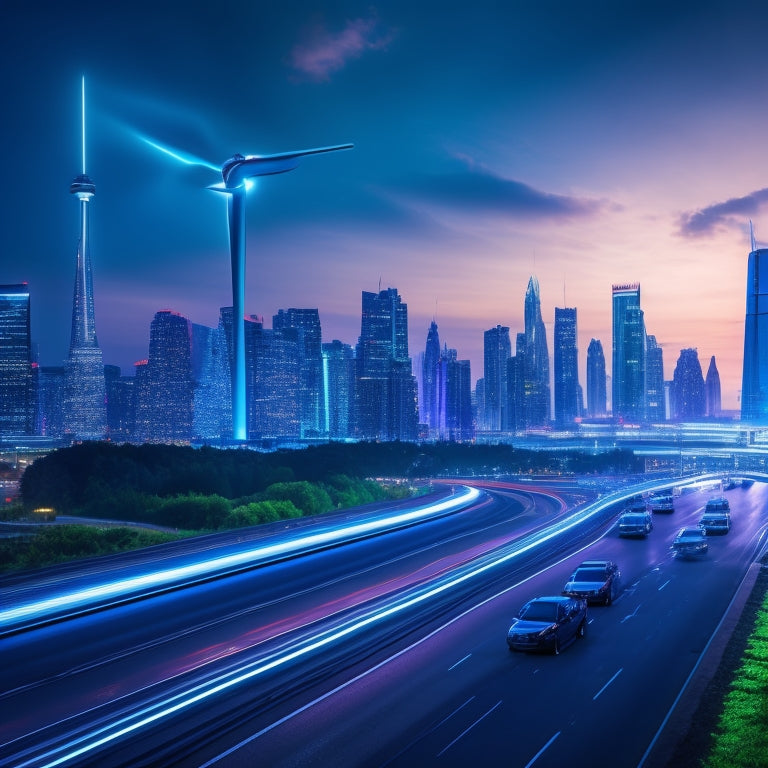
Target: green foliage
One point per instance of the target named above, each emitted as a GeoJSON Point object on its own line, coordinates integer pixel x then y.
{"type": "Point", "coordinates": [741, 740]}
{"type": "Point", "coordinates": [258, 512]}
{"type": "Point", "coordinates": [61, 543]}
{"type": "Point", "coordinates": [194, 512]}
{"type": "Point", "coordinates": [310, 499]}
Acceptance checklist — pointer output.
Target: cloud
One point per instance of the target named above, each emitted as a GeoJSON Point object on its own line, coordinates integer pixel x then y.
{"type": "Point", "coordinates": [706, 220]}
{"type": "Point", "coordinates": [327, 52]}
{"type": "Point", "coordinates": [472, 188]}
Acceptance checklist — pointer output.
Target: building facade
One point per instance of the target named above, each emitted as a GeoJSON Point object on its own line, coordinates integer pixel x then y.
{"type": "Point", "coordinates": [566, 366]}
{"type": "Point", "coordinates": [17, 390]}
{"type": "Point", "coordinates": [754, 380]}
{"type": "Point", "coordinates": [655, 408]}
{"type": "Point", "coordinates": [712, 390]}
{"type": "Point", "coordinates": [688, 394]}
{"type": "Point", "coordinates": [496, 352]}
{"type": "Point", "coordinates": [536, 405]}
{"type": "Point", "coordinates": [596, 384]}
{"type": "Point", "coordinates": [629, 347]}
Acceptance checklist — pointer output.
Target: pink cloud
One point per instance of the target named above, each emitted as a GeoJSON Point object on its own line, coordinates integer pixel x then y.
{"type": "Point", "coordinates": [326, 52]}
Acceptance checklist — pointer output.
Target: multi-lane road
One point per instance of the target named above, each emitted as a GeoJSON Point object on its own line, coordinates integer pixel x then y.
{"type": "Point", "coordinates": [386, 651]}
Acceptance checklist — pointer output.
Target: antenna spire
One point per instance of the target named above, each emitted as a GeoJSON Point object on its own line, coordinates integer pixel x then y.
{"type": "Point", "coordinates": [83, 121]}
{"type": "Point", "coordinates": [752, 236]}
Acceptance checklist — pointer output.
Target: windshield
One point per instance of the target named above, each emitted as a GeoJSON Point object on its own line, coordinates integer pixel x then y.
{"type": "Point", "coordinates": [633, 517]}
{"type": "Point", "coordinates": [539, 611]}
{"type": "Point", "coordinates": [690, 533]}
{"type": "Point", "coordinates": [589, 574]}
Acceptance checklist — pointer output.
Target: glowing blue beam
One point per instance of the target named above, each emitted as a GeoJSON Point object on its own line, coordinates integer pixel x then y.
{"type": "Point", "coordinates": [78, 600]}
{"type": "Point", "coordinates": [180, 155]}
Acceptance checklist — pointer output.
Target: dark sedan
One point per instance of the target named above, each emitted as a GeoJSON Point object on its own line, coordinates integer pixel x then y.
{"type": "Point", "coordinates": [596, 581]}
{"type": "Point", "coordinates": [690, 542]}
{"type": "Point", "coordinates": [548, 624]}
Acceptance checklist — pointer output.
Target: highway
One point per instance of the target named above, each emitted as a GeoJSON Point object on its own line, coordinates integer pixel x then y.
{"type": "Point", "coordinates": [432, 684]}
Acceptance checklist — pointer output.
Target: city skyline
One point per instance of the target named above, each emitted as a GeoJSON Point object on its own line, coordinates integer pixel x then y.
{"type": "Point", "coordinates": [630, 153]}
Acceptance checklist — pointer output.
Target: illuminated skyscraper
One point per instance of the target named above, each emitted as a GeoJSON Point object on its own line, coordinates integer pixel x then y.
{"type": "Point", "coordinates": [754, 382]}
{"type": "Point", "coordinates": [536, 405]}
{"type": "Point", "coordinates": [712, 390]}
{"type": "Point", "coordinates": [688, 397]}
{"type": "Point", "coordinates": [596, 388]}
{"type": "Point", "coordinates": [165, 392]}
{"type": "Point", "coordinates": [17, 411]}
{"type": "Point", "coordinates": [85, 413]}
{"type": "Point", "coordinates": [312, 399]}
{"type": "Point", "coordinates": [566, 366]}
{"type": "Point", "coordinates": [385, 385]}
{"type": "Point", "coordinates": [429, 379]}
{"type": "Point", "coordinates": [655, 407]}
{"type": "Point", "coordinates": [339, 388]}
{"type": "Point", "coordinates": [496, 352]}
{"type": "Point", "coordinates": [628, 368]}
{"type": "Point", "coordinates": [212, 420]}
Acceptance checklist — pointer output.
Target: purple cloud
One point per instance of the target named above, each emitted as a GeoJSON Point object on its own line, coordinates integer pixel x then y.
{"type": "Point", "coordinates": [706, 220]}
{"type": "Point", "coordinates": [469, 186]}
{"type": "Point", "coordinates": [326, 52]}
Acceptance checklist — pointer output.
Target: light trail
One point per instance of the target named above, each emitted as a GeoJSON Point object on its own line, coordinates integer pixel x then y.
{"type": "Point", "coordinates": [81, 744]}
{"type": "Point", "coordinates": [131, 587]}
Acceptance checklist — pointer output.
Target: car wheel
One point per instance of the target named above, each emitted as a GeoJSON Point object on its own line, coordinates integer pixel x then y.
{"type": "Point", "coordinates": [582, 630]}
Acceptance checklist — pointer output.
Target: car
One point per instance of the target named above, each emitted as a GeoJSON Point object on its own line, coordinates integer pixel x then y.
{"type": "Point", "coordinates": [596, 581]}
{"type": "Point", "coordinates": [662, 502]}
{"type": "Point", "coordinates": [690, 542]}
{"type": "Point", "coordinates": [548, 624]}
{"type": "Point", "coordinates": [718, 504]}
{"type": "Point", "coordinates": [635, 524]}
{"type": "Point", "coordinates": [715, 522]}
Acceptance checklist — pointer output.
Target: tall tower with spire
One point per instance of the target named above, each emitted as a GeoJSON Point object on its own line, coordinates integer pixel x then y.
{"type": "Point", "coordinates": [536, 375]}
{"type": "Point", "coordinates": [85, 389]}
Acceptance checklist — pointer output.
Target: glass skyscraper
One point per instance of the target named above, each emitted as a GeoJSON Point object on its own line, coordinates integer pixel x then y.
{"type": "Point", "coordinates": [429, 380]}
{"type": "Point", "coordinates": [655, 409]}
{"type": "Point", "coordinates": [628, 364]}
{"type": "Point", "coordinates": [688, 396]}
{"type": "Point", "coordinates": [596, 389]}
{"type": "Point", "coordinates": [164, 388]}
{"type": "Point", "coordinates": [754, 382]}
{"type": "Point", "coordinates": [339, 388]}
{"type": "Point", "coordinates": [385, 385]}
{"type": "Point", "coordinates": [17, 406]}
{"type": "Point", "coordinates": [566, 366]}
{"type": "Point", "coordinates": [536, 377]}
{"type": "Point", "coordinates": [712, 390]}
{"type": "Point", "coordinates": [496, 352]}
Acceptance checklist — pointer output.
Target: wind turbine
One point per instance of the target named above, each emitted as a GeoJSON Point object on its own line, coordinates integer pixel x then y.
{"type": "Point", "coordinates": [236, 174]}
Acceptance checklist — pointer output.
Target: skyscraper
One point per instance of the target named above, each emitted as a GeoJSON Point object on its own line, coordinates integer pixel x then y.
{"type": "Point", "coordinates": [17, 407]}
{"type": "Point", "coordinates": [312, 404]}
{"type": "Point", "coordinates": [339, 389]}
{"type": "Point", "coordinates": [712, 390]}
{"type": "Point", "coordinates": [596, 386]}
{"type": "Point", "coordinates": [628, 368]}
{"type": "Point", "coordinates": [429, 379]}
{"type": "Point", "coordinates": [212, 411]}
{"type": "Point", "coordinates": [85, 411]}
{"type": "Point", "coordinates": [754, 381]}
{"type": "Point", "coordinates": [688, 393]}
{"type": "Point", "coordinates": [496, 352]}
{"type": "Point", "coordinates": [655, 409]}
{"type": "Point", "coordinates": [385, 385]}
{"type": "Point", "coordinates": [566, 366]}
{"type": "Point", "coordinates": [536, 377]}
{"type": "Point", "coordinates": [165, 392]}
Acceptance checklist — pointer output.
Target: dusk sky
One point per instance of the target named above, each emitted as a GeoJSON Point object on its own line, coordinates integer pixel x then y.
{"type": "Point", "coordinates": [587, 143]}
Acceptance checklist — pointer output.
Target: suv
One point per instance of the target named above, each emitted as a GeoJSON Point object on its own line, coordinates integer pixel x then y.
{"type": "Point", "coordinates": [717, 516]}
{"type": "Point", "coordinates": [596, 581]}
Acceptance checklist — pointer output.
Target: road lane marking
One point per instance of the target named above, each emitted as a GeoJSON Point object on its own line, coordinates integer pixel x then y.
{"type": "Point", "coordinates": [541, 751]}
{"type": "Point", "coordinates": [608, 683]}
{"type": "Point", "coordinates": [459, 662]}
{"type": "Point", "coordinates": [664, 584]}
{"type": "Point", "coordinates": [633, 614]}
{"type": "Point", "coordinates": [467, 730]}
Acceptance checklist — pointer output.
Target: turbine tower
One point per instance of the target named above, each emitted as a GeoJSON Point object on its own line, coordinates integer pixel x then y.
{"type": "Point", "coordinates": [236, 173]}
{"type": "Point", "coordinates": [85, 411]}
